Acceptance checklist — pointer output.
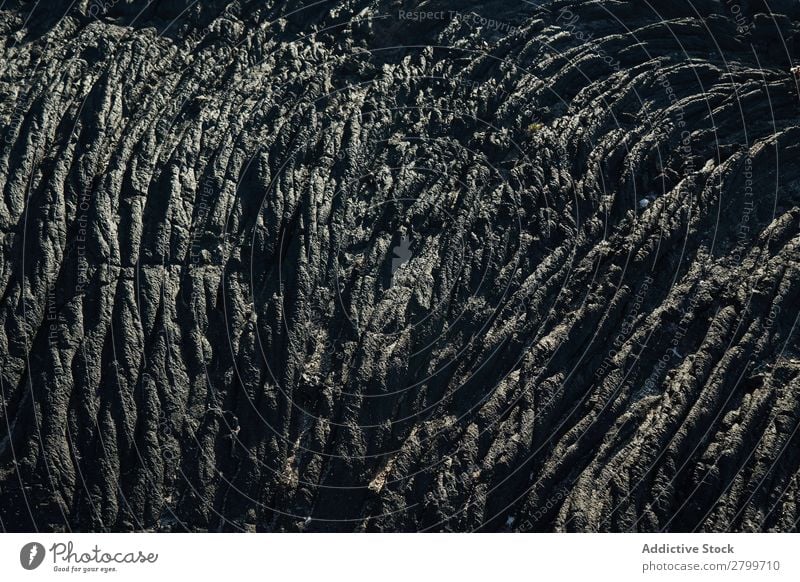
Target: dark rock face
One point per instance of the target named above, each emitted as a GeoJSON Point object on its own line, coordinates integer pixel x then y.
{"type": "Point", "coordinates": [346, 266]}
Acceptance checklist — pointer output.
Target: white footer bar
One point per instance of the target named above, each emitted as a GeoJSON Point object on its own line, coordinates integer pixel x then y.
{"type": "Point", "coordinates": [400, 557]}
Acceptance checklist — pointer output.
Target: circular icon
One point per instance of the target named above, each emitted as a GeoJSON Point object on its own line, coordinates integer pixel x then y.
{"type": "Point", "coordinates": [31, 556]}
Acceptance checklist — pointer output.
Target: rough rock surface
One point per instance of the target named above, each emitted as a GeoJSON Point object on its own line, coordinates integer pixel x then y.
{"type": "Point", "coordinates": [339, 266]}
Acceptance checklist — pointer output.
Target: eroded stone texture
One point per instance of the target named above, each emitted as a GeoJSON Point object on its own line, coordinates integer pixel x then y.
{"type": "Point", "coordinates": [321, 266]}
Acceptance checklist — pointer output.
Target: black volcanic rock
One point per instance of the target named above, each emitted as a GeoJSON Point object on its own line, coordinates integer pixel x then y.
{"type": "Point", "coordinates": [342, 266]}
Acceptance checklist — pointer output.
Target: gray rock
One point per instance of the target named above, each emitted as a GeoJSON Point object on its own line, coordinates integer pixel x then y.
{"type": "Point", "coordinates": [210, 320]}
